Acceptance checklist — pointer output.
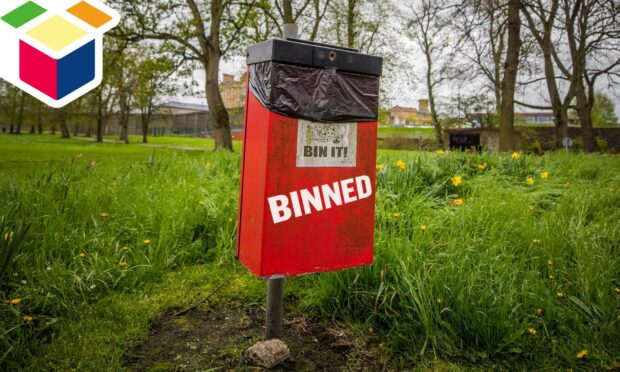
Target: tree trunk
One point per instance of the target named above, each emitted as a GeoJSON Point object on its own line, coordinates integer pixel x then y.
{"type": "Point", "coordinates": [318, 18]}
{"type": "Point", "coordinates": [100, 115]}
{"type": "Point", "coordinates": [125, 107]}
{"type": "Point", "coordinates": [560, 110]}
{"type": "Point", "coordinates": [20, 115]}
{"type": "Point", "coordinates": [219, 114]}
{"type": "Point", "coordinates": [145, 119]}
{"type": "Point", "coordinates": [431, 98]}
{"type": "Point", "coordinates": [100, 129]}
{"type": "Point", "coordinates": [287, 8]}
{"type": "Point", "coordinates": [507, 115]}
{"type": "Point", "coordinates": [584, 111]}
{"type": "Point", "coordinates": [64, 129]}
{"type": "Point", "coordinates": [145, 131]}
{"type": "Point", "coordinates": [351, 18]}
{"type": "Point", "coordinates": [543, 37]}
{"type": "Point", "coordinates": [13, 112]}
{"type": "Point", "coordinates": [123, 136]}
{"type": "Point", "coordinates": [40, 118]}
{"type": "Point", "coordinates": [560, 120]}
{"type": "Point", "coordinates": [124, 123]}
{"type": "Point", "coordinates": [210, 59]}
{"type": "Point", "coordinates": [76, 129]}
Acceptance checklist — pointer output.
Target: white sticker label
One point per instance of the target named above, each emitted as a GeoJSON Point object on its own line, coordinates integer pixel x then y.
{"type": "Point", "coordinates": [326, 144]}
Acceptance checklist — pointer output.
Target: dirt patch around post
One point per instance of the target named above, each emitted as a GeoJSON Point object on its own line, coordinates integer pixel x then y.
{"type": "Point", "coordinates": [215, 339]}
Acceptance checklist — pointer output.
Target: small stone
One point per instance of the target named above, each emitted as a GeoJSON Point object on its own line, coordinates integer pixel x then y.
{"type": "Point", "coordinates": [268, 354]}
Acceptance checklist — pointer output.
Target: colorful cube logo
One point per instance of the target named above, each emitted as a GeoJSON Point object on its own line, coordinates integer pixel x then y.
{"type": "Point", "coordinates": [53, 49]}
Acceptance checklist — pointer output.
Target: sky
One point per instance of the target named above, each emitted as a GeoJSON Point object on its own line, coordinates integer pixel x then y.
{"type": "Point", "coordinates": [402, 90]}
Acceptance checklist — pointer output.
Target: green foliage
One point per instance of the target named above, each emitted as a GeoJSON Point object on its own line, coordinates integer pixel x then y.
{"type": "Point", "coordinates": [460, 271]}
{"type": "Point", "coordinates": [465, 282]}
{"type": "Point", "coordinates": [11, 237]}
{"type": "Point", "coordinates": [603, 111]}
{"type": "Point", "coordinates": [384, 116]}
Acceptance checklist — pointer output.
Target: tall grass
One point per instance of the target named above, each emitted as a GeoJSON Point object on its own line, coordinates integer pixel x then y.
{"type": "Point", "coordinates": [458, 282]}
{"type": "Point", "coordinates": [519, 273]}
{"type": "Point", "coordinates": [95, 230]}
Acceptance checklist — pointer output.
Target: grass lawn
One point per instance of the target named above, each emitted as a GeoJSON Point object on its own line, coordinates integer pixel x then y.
{"type": "Point", "coordinates": [173, 141]}
{"type": "Point", "coordinates": [25, 153]}
{"type": "Point", "coordinates": [513, 265]}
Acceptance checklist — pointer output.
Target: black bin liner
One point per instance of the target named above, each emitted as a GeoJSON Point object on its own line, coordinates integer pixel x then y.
{"type": "Point", "coordinates": [314, 81]}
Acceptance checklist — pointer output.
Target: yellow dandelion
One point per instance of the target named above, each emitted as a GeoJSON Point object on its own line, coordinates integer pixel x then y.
{"type": "Point", "coordinates": [147, 241]}
{"type": "Point", "coordinates": [396, 215]}
{"type": "Point", "coordinates": [15, 301]}
{"type": "Point", "coordinates": [531, 208]}
{"type": "Point", "coordinates": [122, 264]}
{"type": "Point", "coordinates": [125, 249]}
{"type": "Point", "coordinates": [440, 152]}
{"type": "Point", "coordinates": [539, 312]}
{"type": "Point", "coordinates": [549, 262]}
{"type": "Point", "coordinates": [440, 301]}
{"type": "Point", "coordinates": [9, 235]}
{"type": "Point", "coordinates": [104, 215]}
{"type": "Point", "coordinates": [380, 167]}
{"type": "Point", "coordinates": [582, 354]}
{"type": "Point", "coordinates": [532, 331]}
{"type": "Point", "coordinates": [401, 164]}
{"type": "Point", "coordinates": [457, 180]}
{"type": "Point", "coordinates": [202, 203]}
{"type": "Point", "coordinates": [82, 254]}
{"type": "Point", "coordinates": [551, 277]}
{"type": "Point", "coordinates": [80, 156]}
{"type": "Point", "coordinates": [516, 155]}
{"type": "Point", "coordinates": [544, 175]}
{"type": "Point", "coordinates": [559, 295]}
{"type": "Point", "coordinates": [536, 241]}
{"type": "Point", "coordinates": [617, 290]}
{"type": "Point", "coordinates": [530, 181]}
{"type": "Point", "coordinates": [423, 228]}
{"type": "Point", "coordinates": [27, 319]}
{"type": "Point", "coordinates": [482, 167]}
{"type": "Point", "coordinates": [458, 201]}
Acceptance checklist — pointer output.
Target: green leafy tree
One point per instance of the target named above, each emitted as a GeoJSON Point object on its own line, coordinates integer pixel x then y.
{"type": "Point", "coordinates": [603, 111]}
{"type": "Point", "coordinates": [155, 77]}
{"type": "Point", "coordinates": [202, 32]}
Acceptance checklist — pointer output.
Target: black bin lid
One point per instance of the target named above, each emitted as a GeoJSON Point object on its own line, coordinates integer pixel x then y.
{"type": "Point", "coordinates": [309, 54]}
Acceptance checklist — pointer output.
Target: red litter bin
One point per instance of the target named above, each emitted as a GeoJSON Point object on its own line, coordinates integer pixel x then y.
{"type": "Point", "coordinates": [307, 200]}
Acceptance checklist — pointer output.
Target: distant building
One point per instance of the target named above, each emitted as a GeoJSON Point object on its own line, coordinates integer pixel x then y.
{"type": "Point", "coordinates": [536, 117]}
{"type": "Point", "coordinates": [181, 118]}
{"type": "Point", "coordinates": [233, 92]}
{"type": "Point", "coordinates": [484, 119]}
{"type": "Point", "coordinates": [181, 108]}
{"type": "Point", "coordinates": [401, 116]}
